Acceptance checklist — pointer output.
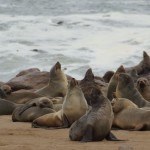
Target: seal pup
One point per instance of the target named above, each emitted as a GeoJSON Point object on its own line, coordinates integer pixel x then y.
{"type": "Point", "coordinates": [113, 82]}
{"type": "Point", "coordinates": [143, 86]}
{"type": "Point", "coordinates": [128, 116]}
{"type": "Point", "coordinates": [32, 110]}
{"type": "Point", "coordinates": [143, 67]}
{"type": "Point", "coordinates": [7, 107]}
{"type": "Point", "coordinates": [127, 89]}
{"type": "Point", "coordinates": [57, 85]}
{"type": "Point", "coordinates": [87, 83]}
{"type": "Point", "coordinates": [74, 106]}
{"type": "Point", "coordinates": [96, 124]}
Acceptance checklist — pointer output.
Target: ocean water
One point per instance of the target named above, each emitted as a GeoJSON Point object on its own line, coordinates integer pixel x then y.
{"type": "Point", "coordinates": [80, 34]}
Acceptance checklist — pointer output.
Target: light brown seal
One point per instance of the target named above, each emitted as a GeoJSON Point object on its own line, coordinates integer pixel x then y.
{"type": "Point", "coordinates": [74, 106]}
{"type": "Point", "coordinates": [32, 110]}
{"type": "Point", "coordinates": [143, 67]}
{"type": "Point", "coordinates": [128, 116]}
{"type": "Point", "coordinates": [7, 107]}
{"type": "Point", "coordinates": [96, 124]}
{"type": "Point", "coordinates": [127, 89]}
{"type": "Point", "coordinates": [57, 85]}
{"type": "Point", "coordinates": [143, 86]}
{"type": "Point", "coordinates": [22, 96]}
{"type": "Point", "coordinates": [113, 82]}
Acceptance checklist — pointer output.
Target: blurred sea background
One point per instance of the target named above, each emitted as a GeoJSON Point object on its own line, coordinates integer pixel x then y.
{"type": "Point", "coordinates": [101, 34]}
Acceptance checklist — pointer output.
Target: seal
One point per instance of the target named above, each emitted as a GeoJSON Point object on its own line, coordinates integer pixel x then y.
{"type": "Point", "coordinates": [143, 67]}
{"type": "Point", "coordinates": [74, 106]}
{"type": "Point", "coordinates": [127, 89]}
{"type": "Point", "coordinates": [4, 91]}
{"type": "Point", "coordinates": [113, 82]}
{"type": "Point", "coordinates": [143, 86]}
{"type": "Point", "coordinates": [87, 83]}
{"type": "Point", "coordinates": [108, 75]}
{"type": "Point", "coordinates": [32, 110]}
{"type": "Point", "coordinates": [57, 85]}
{"type": "Point", "coordinates": [22, 96]}
{"type": "Point", "coordinates": [128, 116]}
{"type": "Point", "coordinates": [96, 124]}
{"type": "Point", "coordinates": [7, 107]}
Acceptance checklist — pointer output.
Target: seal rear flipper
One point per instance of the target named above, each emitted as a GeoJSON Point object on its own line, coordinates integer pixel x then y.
{"type": "Point", "coordinates": [88, 135]}
{"type": "Point", "coordinates": [112, 137]}
{"type": "Point", "coordinates": [139, 127]}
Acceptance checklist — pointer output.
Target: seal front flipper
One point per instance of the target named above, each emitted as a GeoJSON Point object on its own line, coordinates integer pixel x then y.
{"type": "Point", "coordinates": [112, 137]}
{"type": "Point", "coordinates": [88, 135]}
{"type": "Point", "coordinates": [25, 107]}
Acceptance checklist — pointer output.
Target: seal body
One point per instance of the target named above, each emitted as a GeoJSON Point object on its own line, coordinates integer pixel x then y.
{"type": "Point", "coordinates": [74, 106]}
{"type": "Point", "coordinates": [143, 86]}
{"type": "Point", "coordinates": [96, 124]}
{"type": "Point", "coordinates": [57, 85]}
{"type": "Point", "coordinates": [127, 89]}
{"type": "Point", "coordinates": [88, 83]}
{"type": "Point", "coordinates": [143, 67]}
{"type": "Point", "coordinates": [128, 116]}
{"type": "Point", "coordinates": [32, 110]}
{"type": "Point", "coordinates": [7, 107]}
{"type": "Point", "coordinates": [113, 82]}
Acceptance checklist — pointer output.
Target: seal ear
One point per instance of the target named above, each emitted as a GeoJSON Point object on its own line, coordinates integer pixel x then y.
{"type": "Point", "coordinates": [121, 69]}
{"type": "Point", "coordinates": [89, 75]}
{"type": "Point", "coordinates": [145, 56]}
{"type": "Point", "coordinates": [57, 65]}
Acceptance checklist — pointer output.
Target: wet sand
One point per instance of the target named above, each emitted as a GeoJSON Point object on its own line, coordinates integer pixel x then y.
{"type": "Point", "coordinates": [20, 136]}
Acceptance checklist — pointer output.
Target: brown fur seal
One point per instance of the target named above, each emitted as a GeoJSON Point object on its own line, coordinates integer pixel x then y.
{"type": "Point", "coordinates": [74, 106]}
{"type": "Point", "coordinates": [87, 84]}
{"type": "Point", "coordinates": [22, 96]}
{"type": "Point", "coordinates": [127, 89]}
{"type": "Point", "coordinates": [5, 90]}
{"type": "Point", "coordinates": [143, 86]}
{"type": "Point", "coordinates": [113, 82]}
{"type": "Point", "coordinates": [128, 116]}
{"type": "Point", "coordinates": [7, 107]}
{"type": "Point", "coordinates": [96, 124]}
{"type": "Point", "coordinates": [107, 76]}
{"type": "Point", "coordinates": [143, 67]}
{"type": "Point", "coordinates": [57, 85]}
{"type": "Point", "coordinates": [33, 109]}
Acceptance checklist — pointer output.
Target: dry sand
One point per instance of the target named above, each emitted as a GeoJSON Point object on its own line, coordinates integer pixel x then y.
{"type": "Point", "coordinates": [20, 136]}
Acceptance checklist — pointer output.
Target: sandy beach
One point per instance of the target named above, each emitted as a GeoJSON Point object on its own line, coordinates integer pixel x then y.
{"type": "Point", "coordinates": [20, 136]}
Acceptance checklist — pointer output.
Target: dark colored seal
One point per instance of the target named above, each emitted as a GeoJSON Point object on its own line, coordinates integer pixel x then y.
{"type": "Point", "coordinates": [96, 124]}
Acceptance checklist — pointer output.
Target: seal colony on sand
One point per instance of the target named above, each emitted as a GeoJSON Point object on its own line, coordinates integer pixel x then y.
{"type": "Point", "coordinates": [127, 89]}
{"type": "Point", "coordinates": [96, 124]}
{"type": "Point", "coordinates": [74, 106]}
{"type": "Point", "coordinates": [57, 85]}
{"type": "Point", "coordinates": [128, 116]}
{"type": "Point", "coordinates": [66, 105]}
